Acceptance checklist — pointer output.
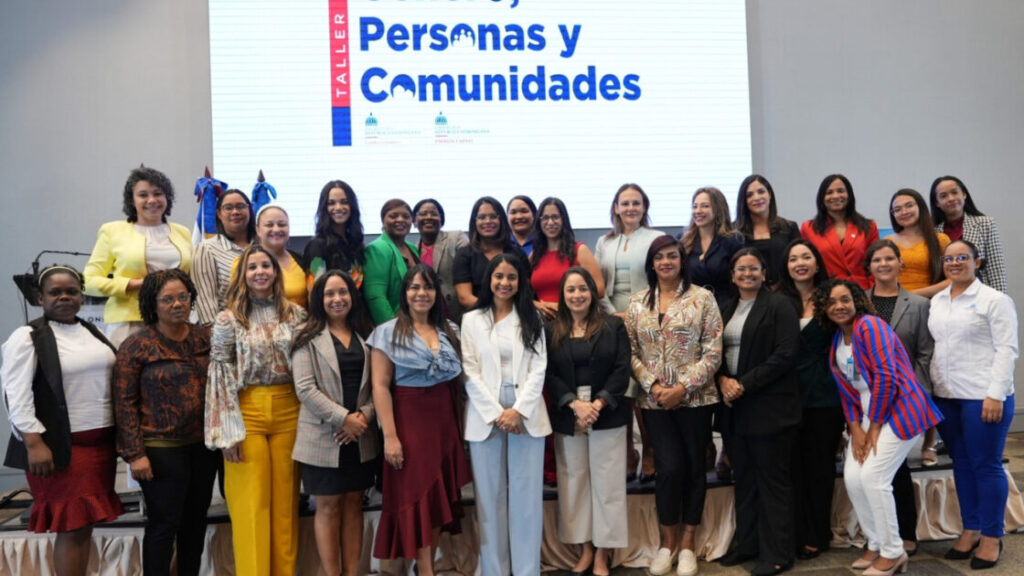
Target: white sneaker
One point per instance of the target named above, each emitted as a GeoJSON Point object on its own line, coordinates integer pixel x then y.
{"type": "Point", "coordinates": [687, 563]}
{"type": "Point", "coordinates": [662, 563]}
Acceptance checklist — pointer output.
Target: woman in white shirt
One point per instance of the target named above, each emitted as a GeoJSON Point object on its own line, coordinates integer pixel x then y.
{"type": "Point", "coordinates": [975, 332]}
{"type": "Point", "coordinates": [504, 357]}
{"type": "Point", "coordinates": [56, 386]}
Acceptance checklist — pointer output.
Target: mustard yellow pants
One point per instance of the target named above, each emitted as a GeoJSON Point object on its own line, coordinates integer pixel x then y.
{"type": "Point", "coordinates": [263, 489]}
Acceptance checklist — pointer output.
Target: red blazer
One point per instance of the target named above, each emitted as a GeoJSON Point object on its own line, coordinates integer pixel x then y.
{"type": "Point", "coordinates": [843, 259]}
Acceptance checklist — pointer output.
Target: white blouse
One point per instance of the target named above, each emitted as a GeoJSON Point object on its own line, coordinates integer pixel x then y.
{"type": "Point", "coordinates": [975, 343]}
{"type": "Point", "coordinates": [86, 365]}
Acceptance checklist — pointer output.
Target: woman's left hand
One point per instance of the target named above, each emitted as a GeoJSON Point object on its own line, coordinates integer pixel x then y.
{"type": "Point", "coordinates": [510, 421]}
{"type": "Point", "coordinates": [991, 410]}
{"type": "Point", "coordinates": [871, 441]}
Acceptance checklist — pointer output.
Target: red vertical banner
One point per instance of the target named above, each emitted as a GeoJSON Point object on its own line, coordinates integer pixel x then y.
{"type": "Point", "coordinates": [341, 93]}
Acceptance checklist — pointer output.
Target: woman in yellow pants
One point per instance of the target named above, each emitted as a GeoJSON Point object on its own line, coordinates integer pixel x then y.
{"type": "Point", "coordinates": [252, 413]}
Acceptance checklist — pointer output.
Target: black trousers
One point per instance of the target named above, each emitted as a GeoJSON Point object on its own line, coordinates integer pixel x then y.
{"type": "Point", "coordinates": [814, 474]}
{"type": "Point", "coordinates": [680, 439]}
{"type": "Point", "coordinates": [762, 467]}
{"type": "Point", "coordinates": [906, 503]}
{"type": "Point", "coordinates": [177, 499]}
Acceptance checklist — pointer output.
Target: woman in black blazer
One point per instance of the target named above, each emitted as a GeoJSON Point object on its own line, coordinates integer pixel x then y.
{"type": "Point", "coordinates": [759, 385]}
{"type": "Point", "coordinates": [587, 376]}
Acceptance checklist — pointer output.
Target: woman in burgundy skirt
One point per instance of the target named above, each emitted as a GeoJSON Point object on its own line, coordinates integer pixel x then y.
{"type": "Point", "coordinates": [415, 366]}
{"type": "Point", "coordinates": [56, 383]}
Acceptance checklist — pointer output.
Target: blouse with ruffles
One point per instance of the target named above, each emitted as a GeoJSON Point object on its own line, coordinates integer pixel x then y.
{"type": "Point", "coordinates": [259, 355]}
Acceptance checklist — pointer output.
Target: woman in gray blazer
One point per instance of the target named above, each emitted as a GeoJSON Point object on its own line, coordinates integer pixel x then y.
{"type": "Point", "coordinates": [907, 313]}
{"type": "Point", "coordinates": [335, 441]}
{"type": "Point", "coordinates": [622, 256]}
{"type": "Point", "coordinates": [437, 250]}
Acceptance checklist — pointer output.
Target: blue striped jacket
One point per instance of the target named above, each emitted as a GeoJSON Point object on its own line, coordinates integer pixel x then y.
{"type": "Point", "coordinates": [897, 397]}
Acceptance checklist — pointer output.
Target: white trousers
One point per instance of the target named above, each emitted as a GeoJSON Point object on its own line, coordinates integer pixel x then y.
{"type": "Point", "coordinates": [592, 488]}
{"type": "Point", "coordinates": [869, 486]}
{"type": "Point", "coordinates": [508, 474]}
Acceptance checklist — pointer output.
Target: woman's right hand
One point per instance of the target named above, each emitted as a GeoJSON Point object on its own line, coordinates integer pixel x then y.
{"type": "Point", "coordinates": [393, 452]}
{"type": "Point", "coordinates": [548, 309]}
{"type": "Point", "coordinates": [40, 458]}
{"type": "Point", "coordinates": [233, 454]}
{"type": "Point", "coordinates": [858, 443]}
{"type": "Point", "coordinates": [352, 428]}
{"type": "Point", "coordinates": [134, 284]}
{"type": "Point", "coordinates": [141, 469]}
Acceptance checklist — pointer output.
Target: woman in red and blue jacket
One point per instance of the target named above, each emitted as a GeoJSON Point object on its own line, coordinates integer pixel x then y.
{"type": "Point", "coordinates": [886, 409]}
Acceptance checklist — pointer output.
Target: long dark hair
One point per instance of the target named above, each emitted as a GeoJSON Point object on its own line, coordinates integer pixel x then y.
{"type": "Point", "coordinates": [566, 238]}
{"type": "Point", "coordinates": [786, 285]}
{"type": "Point", "coordinates": [659, 244]}
{"type": "Point", "coordinates": [358, 320]}
{"type": "Point", "coordinates": [403, 318]}
{"type": "Point", "coordinates": [153, 283]}
{"type": "Point", "coordinates": [927, 227]}
{"type": "Point", "coordinates": [561, 326]}
{"type": "Point", "coordinates": [250, 228]}
{"type": "Point", "coordinates": [744, 223]}
{"type": "Point", "coordinates": [529, 319]}
{"type": "Point", "coordinates": [820, 222]}
{"type": "Point", "coordinates": [938, 216]}
{"type": "Point", "coordinates": [351, 242]}
{"type": "Point", "coordinates": [504, 236]}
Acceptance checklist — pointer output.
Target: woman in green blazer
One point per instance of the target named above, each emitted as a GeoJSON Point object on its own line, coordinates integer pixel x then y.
{"type": "Point", "coordinates": [387, 259]}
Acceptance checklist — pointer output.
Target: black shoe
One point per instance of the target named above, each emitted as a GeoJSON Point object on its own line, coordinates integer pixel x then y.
{"type": "Point", "coordinates": [807, 553]}
{"type": "Point", "coordinates": [646, 478]}
{"type": "Point", "coordinates": [912, 551]}
{"type": "Point", "coordinates": [770, 569]}
{"type": "Point", "coordinates": [980, 564]}
{"type": "Point", "coordinates": [735, 558]}
{"type": "Point", "coordinates": [954, 554]}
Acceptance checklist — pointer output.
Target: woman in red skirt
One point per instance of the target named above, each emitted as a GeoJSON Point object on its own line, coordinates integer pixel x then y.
{"type": "Point", "coordinates": [415, 365]}
{"type": "Point", "coordinates": [56, 383]}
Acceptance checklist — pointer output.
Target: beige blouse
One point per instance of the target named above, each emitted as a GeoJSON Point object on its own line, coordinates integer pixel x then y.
{"type": "Point", "coordinates": [684, 349]}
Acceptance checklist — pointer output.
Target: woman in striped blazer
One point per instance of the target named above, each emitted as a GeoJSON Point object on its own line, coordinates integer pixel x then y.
{"type": "Point", "coordinates": [886, 410]}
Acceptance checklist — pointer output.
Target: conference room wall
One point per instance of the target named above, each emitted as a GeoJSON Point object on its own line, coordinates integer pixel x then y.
{"type": "Point", "coordinates": [890, 93]}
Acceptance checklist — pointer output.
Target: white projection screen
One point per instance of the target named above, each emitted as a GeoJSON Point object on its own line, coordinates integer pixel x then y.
{"type": "Point", "coordinates": [457, 99]}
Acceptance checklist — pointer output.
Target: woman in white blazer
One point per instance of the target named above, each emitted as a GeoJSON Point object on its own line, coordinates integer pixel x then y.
{"type": "Point", "coordinates": [504, 358]}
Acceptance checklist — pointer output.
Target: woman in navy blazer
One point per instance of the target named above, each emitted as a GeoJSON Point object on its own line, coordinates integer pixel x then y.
{"type": "Point", "coordinates": [759, 385]}
{"type": "Point", "coordinates": [886, 410]}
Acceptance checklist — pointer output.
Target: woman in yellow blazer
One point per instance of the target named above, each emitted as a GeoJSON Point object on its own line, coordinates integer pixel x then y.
{"type": "Point", "coordinates": [387, 260]}
{"type": "Point", "coordinates": [129, 249]}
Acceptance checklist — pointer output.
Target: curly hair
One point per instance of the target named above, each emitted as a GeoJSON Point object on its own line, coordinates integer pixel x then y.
{"type": "Point", "coordinates": [861, 303]}
{"type": "Point", "coordinates": [154, 177]}
{"type": "Point", "coordinates": [153, 283]}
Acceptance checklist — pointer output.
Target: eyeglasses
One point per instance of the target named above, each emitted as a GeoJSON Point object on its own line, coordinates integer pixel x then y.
{"type": "Point", "coordinates": [485, 217]}
{"type": "Point", "coordinates": [551, 218]}
{"type": "Point", "coordinates": [961, 258]}
{"type": "Point", "coordinates": [235, 207]}
{"type": "Point", "coordinates": [184, 298]}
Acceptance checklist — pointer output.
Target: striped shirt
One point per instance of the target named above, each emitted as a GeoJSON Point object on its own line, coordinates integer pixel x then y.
{"type": "Point", "coordinates": [211, 272]}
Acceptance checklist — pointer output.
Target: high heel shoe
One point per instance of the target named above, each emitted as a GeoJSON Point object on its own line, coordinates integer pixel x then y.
{"type": "Point", "coordinates": [954, 554]}
{"type": "Point", "coordinates": [982, 564]}
{"type": "Point", "coordinates": [900, 566]}
{"type": "Point", "coordinates": [862, 563]}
